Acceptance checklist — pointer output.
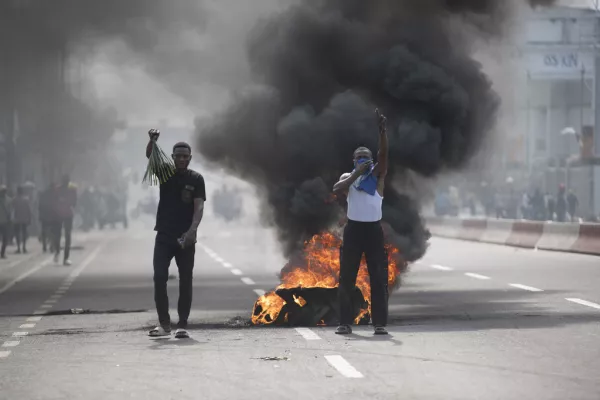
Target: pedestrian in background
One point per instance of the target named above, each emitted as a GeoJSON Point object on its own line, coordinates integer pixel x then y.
{"type": "Point", "coordinates": [5, 219]}
{"type": "Point", "coordinates": [22, 219]}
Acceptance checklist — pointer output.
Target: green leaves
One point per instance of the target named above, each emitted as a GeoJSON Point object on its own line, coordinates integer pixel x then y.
{"type": "Point", "coordinates": [160, 167]}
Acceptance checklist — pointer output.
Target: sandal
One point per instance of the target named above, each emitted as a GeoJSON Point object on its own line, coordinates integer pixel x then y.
{"type": "Point", "coordinates": [159, 331]}
{"type": "Point", "coordinates": [182, 334]}
{"type": "Point", "coordinates": [380, 330]}
{"type": "Point", "coordinates": [343, 330]}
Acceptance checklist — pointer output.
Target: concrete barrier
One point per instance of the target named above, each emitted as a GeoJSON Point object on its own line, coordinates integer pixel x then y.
{"type": "Point", "coordinates": [567, 237]}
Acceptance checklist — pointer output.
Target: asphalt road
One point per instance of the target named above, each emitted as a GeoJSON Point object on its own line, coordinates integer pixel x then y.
{"type": "Point", "coordinates": [459, 330]}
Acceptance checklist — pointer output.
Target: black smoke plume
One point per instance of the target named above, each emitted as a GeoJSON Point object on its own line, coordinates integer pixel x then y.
{"type": "Point", "coordinates": [323, 66]}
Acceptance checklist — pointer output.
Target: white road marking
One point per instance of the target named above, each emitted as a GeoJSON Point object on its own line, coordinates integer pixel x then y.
{"type": "Point", "coordinates": [259, 292]}
{"type": "Point", "coordinates": [236, 272]}
{"type": "Point", "coordinates": [27, 326]}
{"type": "Point", "coordinates": [19, 261]}
{"type": "Point", "coordinates": [19, 334]}
{"type": "Point", "coordinates": [24, 275]}
{"type": "Point", "coordinates": [477, 276]}
{"type": "Point", "coordinates": [46, 306]}
{"type": "Point", "coordinates": [11, 343]}
{"type": "Point", "coordinates": [4, 354]}
{"type": "Point", "coordinates": [56, 296]}
{"type": "Point", "coordinates": [39, 312]}
{"type": "Point", "coordinates": [441, 267]}
{"type": "Point", "coordinates": [34, 319]}
{"type": "Point", "coordinates": [248, 281]}
{"type": "Point", "coordinates": [343, 366]}
{"type": "Point", "coordinates": [308, 334]}
{"type": "Point", "coordinates": [52, 301]}
{"type": "Point", "coordinates": [585, 303]}
{"type": "Point", "coordinates": [227, 265]}
{"type": "Point", "coordinates": [63, 289]}
{"type": "Point", "coordinates": [525, 287]}
{"type": "Point", "coordinates": [219, 259]}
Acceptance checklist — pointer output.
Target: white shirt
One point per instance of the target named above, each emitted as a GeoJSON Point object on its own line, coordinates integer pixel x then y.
{"type": "Point", "coordinates": [362, 207]}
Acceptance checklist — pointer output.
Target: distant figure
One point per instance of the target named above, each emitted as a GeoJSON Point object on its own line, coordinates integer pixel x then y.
{"type": "Point", "coordinates": [573, 204]}
{"type": "Point", "coordinates": [65, 198]}
{"type": "Point", "coordinates": [47, 216]}
{"type": "Point", "coordinates": [5, 219]}
{"type": "Point", "coordinates": [22, 219]}
{"type": "Point", "coordinates": [561, 204]}
{"type": "Point", "coordinates": [550, 207]}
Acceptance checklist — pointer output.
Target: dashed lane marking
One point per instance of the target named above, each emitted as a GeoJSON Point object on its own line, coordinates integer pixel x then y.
{"type": "Point", "coordinates": [227, 265]}
{"type": "Point", "coordinates": [259, 292]}
{"type": "Point", "coordinates": [46, 306]}
{"type": "Point", "coordinates": [585, 303]}
{"type": "Point", "coordinates": [27, 326]}
{"type": "Point", "coordinates": [236, 272]}
{"type": "Point", "coordinates": [248, 281]}
{"type": "Point", "coordinates": [4, 354]}
{"type": "Point", "coordinates": [525, 287]}
{"type": "Point", "coordinates": [19, 334]}
{"type": "Point", "coordinates": [11, 343]}
{"type": "Point", "coordinates": [307, 334]}
{"type": "Point", "coordinates": [39, 312]}
{"type": "Point", "coordinates": [344, 367]}
{"type": "Point", "coordinates": [441, 267]}
{"type": "Point", "coordinates": [477, 276]}
{"type": "Point", "coordinates": [24, 275]}
{"type": "Point", "coordinates": [51, 301]}
{"type": "Point", "coordinates": [34, 319]}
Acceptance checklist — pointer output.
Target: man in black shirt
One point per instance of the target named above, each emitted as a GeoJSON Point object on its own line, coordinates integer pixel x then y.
{"type": "Point", "coordinates": [180, 211]}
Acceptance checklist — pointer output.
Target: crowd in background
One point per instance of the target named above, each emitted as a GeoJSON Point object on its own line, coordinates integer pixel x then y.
{"type": "Point", "coordinates": [510, 203]}
{"type": "Point", "coordinates": [51, 212]}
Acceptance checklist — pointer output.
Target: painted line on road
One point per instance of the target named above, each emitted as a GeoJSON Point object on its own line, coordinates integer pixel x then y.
{"type": "Point", "coordinates": [227, 265]}
{"type": "Point", "coordinates": [27, 326]}
{"type": "Point", "coordinates": [40, 312]}
{"type": "Point", "coordinates": [259, 292]}
{"type": "Point", "coordinates": [307, 334]}
{"type": "Point", "coordinates": [46, 306]}
{"type": "Point", "coordinates": [55, 296]}
{"type": "Point", "coordinates": [585, 303]}
{"type": "Point", "coordinates": [344, 367]}
{"type": "Point", "coordinates": [219, 259]}
{"type": "Point", "coordinates": [236, 272]}
{"type": "Point", "coordinates": [477, 276]}
{"type": "Point", "coordinates": [441, 267]}
{"type": "Point", "coordinates": [34, 319]}
{"type": "Point", "coordinates": [4, 354]}
{"type": "Point", "coordinates": [248, 281]}
{"type": "Point", "coordinates": [24, 275]}
{"type": "Point", "coordinates": [20, 334]}
{"type": "Point", "coordinates": [52, 301]}
{"type": "Point", "coordinates": [11, 343]}
{"type": "Point", "coordinates": [525, 287]}
{"type": "Point", "coordinates": [19, 261]}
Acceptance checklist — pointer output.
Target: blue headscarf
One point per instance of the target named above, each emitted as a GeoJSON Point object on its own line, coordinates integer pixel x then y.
{"type": "Point", "coordinates": [367, 182]}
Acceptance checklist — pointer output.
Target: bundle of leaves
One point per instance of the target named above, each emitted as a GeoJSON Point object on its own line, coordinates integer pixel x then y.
{"type": "Point", "coordinates": [160, 167]}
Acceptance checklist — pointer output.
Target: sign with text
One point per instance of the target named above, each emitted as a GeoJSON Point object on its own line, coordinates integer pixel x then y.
{"type": "Point", "coordinates": [568, 64]}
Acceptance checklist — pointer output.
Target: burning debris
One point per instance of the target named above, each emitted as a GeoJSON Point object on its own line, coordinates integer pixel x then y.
{"type": "Point", "coordinates": [307, 295]}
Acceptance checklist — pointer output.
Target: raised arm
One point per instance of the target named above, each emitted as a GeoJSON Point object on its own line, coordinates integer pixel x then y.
{"type": "Point", "coordinates": [153, 134]}
{"type": "Point", "coordinates": [382, 155]}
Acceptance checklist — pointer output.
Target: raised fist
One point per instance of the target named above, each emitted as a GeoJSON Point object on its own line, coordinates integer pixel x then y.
{"type": "Point", "coordinates": [154, 134]}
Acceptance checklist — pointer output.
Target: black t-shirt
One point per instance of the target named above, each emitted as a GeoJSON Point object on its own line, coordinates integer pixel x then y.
{"type": "Point", "coordinates": [176, 204]}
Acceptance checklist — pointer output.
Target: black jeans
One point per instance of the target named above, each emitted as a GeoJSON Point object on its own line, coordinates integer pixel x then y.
{"type": "Point", "coordinates": [67, 223]}
{"type": "Point", "coordinates": [166, 248]}
{"type": "Point", "coordinates": [363, 238]}
{"type": "Point", "coordinates": [46, 235]}
{"type": "Point", "coordinates": [4, 231]}
{"type": "Point", "coordinates": [21, 236]}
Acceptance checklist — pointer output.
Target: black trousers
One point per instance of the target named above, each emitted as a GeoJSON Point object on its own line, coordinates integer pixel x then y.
{"type": "Point", "coordinates": [46, 235]}
{"type": "Point", "coordinates": [4, 232]}
{"type": "Point", "coordinates": [166, 248]}
{"type": "Point", "coordinates": [363, 238]}
{"type": "Point", "coordinates": [67, 224]}
{"type": "Point", "coordinates": [21, 236]}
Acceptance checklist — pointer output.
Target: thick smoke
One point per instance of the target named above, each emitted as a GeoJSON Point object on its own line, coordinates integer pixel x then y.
{"type": "Point", "coordinates": [322, 68]}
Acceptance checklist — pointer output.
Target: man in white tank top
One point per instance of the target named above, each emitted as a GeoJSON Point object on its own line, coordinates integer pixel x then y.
{"type": "Point", "coordinates": [363, 234]}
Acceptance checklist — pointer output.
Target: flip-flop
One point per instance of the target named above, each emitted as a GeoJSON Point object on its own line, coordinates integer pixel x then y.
{"type": "Point", "coordinates": [182, 334]}
{"type": "Point", "coordinates": [380, 330]}
{"type": "Point", "coordinates": [159, 331]}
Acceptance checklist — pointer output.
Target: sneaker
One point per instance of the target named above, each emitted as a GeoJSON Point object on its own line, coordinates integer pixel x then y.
{"type": "Point", "coordinates": [380, 330]}
{"type": "Point", "coordinates": [343, 330]}
{"type": "Point", "coordinates": [159, 331]}
{"type": "Point", "coordinates": [67, 263]}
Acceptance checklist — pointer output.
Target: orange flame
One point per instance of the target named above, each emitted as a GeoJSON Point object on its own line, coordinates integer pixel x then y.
{"type": "Point", "coordinates": [320, 269]}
